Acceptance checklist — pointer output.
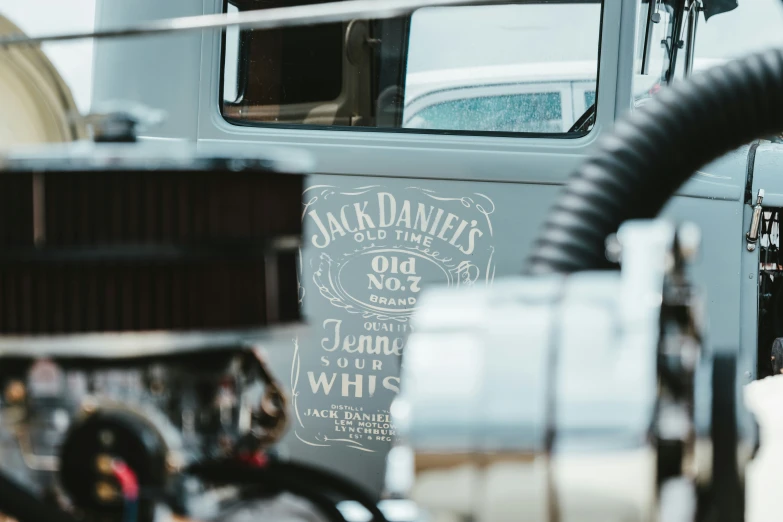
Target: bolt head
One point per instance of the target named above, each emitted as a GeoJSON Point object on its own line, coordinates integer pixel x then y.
{"type": "Point", "coordinates": [106, 492]}
{"type": "Point", "coordinates": [104, 464]}
{"type": "Point", "coordinates": [88, 406]}
{"type": "Point", "coordinates": [106, 437]}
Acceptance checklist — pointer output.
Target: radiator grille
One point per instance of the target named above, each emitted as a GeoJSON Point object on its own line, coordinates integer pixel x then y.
{"type": "Point", "coordinates": [129, 251]}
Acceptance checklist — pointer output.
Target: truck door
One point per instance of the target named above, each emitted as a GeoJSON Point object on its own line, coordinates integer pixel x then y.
{"type": "Point", "coordinates": [438, 160]}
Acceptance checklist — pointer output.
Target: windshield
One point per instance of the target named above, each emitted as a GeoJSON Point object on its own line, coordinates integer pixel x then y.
{"type": "Point", "coordinates": [654, 49]}
{"type": "Point", "coordinates": [751, 27]}
{"type": "Point", "coordinates": [754, 26]}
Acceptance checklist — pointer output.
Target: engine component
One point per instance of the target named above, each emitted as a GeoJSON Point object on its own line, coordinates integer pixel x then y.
{"type": "Point", "coordinates": [19, 502]}
{"type": "Point", "coordinates": [71, 417]}
{"type": "Point", "coordinates": [559, 395]}
{"type": "Point", "coordinates": [96, 444]}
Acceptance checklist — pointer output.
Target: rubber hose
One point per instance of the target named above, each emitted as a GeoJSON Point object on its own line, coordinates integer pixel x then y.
{"type": "Point", "coordinates": [320, 502]}
{"type": "Point", "coordinates": [229, 472]}
{"type": "Point", "coordinates": [652, 152]}
{"type": "Point", "coordinates": [330, 480]}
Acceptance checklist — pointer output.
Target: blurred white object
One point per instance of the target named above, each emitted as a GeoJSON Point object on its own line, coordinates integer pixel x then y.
{"type": "Point", "coordinates": [764, 398]}
{"type": "Point", "coordinates": [36, 105]}
{"type": "Point", "coordinates": [541, 397]}
{"type": "Point", "coordinates": [73, 60]}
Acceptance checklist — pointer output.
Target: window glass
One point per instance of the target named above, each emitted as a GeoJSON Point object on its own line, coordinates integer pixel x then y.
{"type": "Point", "coordinates": [589, 98]}
{"type": "Point", "coordinates": [476, 69]}
{"type": "Point", "coordinates": [540, 112]}
{"type": "Point", "coordinates": [750, 27]}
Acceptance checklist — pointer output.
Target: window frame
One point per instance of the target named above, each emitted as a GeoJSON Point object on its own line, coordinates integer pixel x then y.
{"type": "Point", "coordinates": [401, 129]}
{"type": "Point", "coordinates": [380, 153]}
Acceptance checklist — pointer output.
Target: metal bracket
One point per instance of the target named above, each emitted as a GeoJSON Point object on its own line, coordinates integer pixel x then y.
{"type": "Point", "coordinates": [753, 233]}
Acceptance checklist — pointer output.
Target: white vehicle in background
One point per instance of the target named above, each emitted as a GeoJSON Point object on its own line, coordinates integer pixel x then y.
{"type": "Point", "coordinates": [534, 97]}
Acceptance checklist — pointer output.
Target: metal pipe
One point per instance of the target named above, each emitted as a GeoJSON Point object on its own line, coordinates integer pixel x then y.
{"type": "Point", "coordinates": [676, 38]}
{"type": "Point", "coordinates": [310, 14]}
{"type": "Point", "coordinates": [652, 18]}
{"type": "Point", "coordinates": [753, 233]}
{"type": "Point", "coordinates": [693, 24]}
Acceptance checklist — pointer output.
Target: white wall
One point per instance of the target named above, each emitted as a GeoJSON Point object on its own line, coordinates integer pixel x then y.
{"type": "Point", "coordinates": [74, 60]}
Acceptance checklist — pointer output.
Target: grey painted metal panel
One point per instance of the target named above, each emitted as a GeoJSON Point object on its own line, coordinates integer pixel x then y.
{"type": "Point", "coordinates": [158, 71]}
{"type": "Point", "coordinates": [721, 179]}
{"type": "Point", "coordinates": [718, 268]}
{"type": "Point", "coordinates": [747, 362]}
{"type": "Point", "coordinates": [341, 279]}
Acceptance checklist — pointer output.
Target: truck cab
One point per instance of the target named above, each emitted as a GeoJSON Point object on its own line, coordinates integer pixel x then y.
{"type": "Point", "coordinates": [440, 141]}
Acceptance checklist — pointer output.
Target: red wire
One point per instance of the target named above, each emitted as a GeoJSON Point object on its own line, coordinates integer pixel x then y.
{"type": "Point", "coordinates": [256, 460]}
{"type": "Point", "coordinates": [127, 479]}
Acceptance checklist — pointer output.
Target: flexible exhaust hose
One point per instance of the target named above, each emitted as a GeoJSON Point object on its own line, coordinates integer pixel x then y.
{"type": "Point", "coordinates": [286, 474]}
{"type": "Point", "coordinates": [652, 152]}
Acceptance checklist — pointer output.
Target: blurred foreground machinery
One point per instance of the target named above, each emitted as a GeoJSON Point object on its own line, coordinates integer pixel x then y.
{"type": "Point", "coordinates": [561, 398]}
{"type": "Point", "coordinates": [582, 391]}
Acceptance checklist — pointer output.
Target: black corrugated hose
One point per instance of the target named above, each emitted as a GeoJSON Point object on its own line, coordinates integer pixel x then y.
{"type": "Point", "coordinates": [652, 152]}
{"type": "Point", "coordinates": [297, 477]}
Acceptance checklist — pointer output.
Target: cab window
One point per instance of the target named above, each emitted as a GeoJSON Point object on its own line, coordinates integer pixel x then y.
{"type": "Point", "coordinates": [528, 68]}
{"type": "Point", "coordinates": [540, 112]}
{"type": "Point", "coordinates": [751, 27]}
{"type": "Point", "coordinates": [589, 98]}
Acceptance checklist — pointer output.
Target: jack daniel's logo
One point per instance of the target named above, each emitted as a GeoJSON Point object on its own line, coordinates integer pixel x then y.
{"type": "Point", "coordinates": [417, 223]}
{"type": "Point", "coordinates": [370, 251]}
